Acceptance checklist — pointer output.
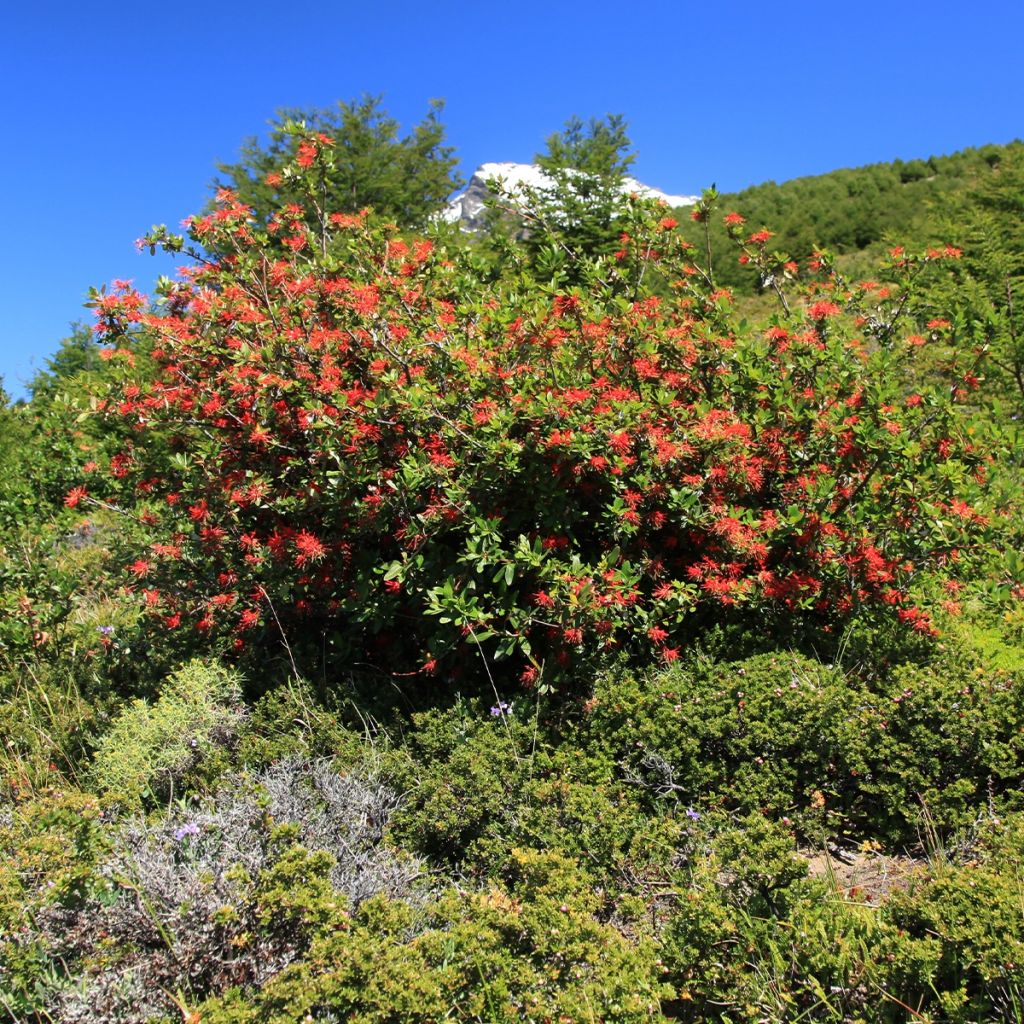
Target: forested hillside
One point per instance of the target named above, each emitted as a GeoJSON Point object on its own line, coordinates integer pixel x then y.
{"type": "Point", "coordinates": [861, 209]}
{"type": "Point", "coordinates": [616, 616]}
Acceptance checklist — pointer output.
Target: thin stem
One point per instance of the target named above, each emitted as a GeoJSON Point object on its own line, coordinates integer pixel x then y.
{"type": "Point", "coordinates": [284, 639]}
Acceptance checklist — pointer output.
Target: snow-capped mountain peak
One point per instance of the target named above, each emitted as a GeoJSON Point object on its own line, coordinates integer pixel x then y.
{"type": "Point", "coordinates": [467, 207]}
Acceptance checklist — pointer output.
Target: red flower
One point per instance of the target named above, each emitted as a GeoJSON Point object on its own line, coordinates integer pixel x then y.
{"type": "Point", "coordinates": [74, 496]}
{"type": "Point", "coordinates": [309, 547]}
{"type": "Point", "coordinates": [821, 310]}
{"type": "Point", "coordinates": [248, 619]}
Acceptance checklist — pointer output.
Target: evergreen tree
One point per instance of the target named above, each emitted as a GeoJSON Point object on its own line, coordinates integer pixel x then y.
{"type": "Point", "coordinates": [77, 354]}
{"type": "Point", "coordinates": [987, 292]}
{"type": "Point", "coordinates": [402, 178]}
{"type": "Point", "coordinates": [580, 214]}
{"type": "Point", "coordinates": [600, 148]}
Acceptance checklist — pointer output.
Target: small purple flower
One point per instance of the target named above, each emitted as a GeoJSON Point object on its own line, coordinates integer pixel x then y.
{"type": "Point", "coordinates": [191, 829]}
{"type": "Point", "coordinates": [106, 630]}
{"type": "Point", "coordinates": [692, 814]}
{"type": "Point", "coordinates": [500, 709]}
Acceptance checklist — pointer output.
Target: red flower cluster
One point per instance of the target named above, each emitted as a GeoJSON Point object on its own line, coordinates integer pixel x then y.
{"type": "Point", "coordinates": [363, 436]}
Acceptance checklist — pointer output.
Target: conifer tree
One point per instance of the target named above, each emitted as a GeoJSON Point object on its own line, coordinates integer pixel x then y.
{"type": "Point", "coordinates": [404, 178]}
{"type": "Point", "coordinates": [580, 215]}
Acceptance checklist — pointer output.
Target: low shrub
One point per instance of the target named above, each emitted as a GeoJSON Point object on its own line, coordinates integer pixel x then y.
{"type": "Point", "coordinates": [150, 748]}
{"type": "Point", "coordinates": [210, 896]}
{"type": "Point", "coordinates": [478, 785]}
{"type": "Point", "coordinates": [968, 913]}
{"type": "Point", "coordinates": [804, 742]}
{"type": "Point", "coordinates": [944, 946]}
{"type": "Point", "coordinates": [530, 950]}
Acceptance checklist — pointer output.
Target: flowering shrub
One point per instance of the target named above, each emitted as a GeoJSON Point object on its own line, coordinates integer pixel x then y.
{"type": "Point", "coordinates": [347, 437]}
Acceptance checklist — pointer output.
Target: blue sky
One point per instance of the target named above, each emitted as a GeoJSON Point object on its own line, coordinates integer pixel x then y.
{"type": "Point", "coordinates": [114, 116]}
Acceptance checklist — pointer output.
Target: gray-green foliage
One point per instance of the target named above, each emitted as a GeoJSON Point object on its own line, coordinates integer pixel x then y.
{"type": "Point", "coordinates": [221, 893]}
{"type": "Point", "coordinates": [151, 746]}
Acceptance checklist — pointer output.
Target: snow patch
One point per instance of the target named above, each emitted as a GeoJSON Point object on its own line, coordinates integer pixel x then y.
{"type": "Point", "coordinates": [467, 206]}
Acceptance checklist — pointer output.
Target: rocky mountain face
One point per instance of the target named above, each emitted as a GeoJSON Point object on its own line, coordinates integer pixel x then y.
{"type": "Point", "coordinates": [467, 207]}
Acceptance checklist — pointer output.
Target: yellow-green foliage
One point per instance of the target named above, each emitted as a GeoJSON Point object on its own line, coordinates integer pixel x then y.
{"type": "Point", "coordinates": [49, 847]}
{"type": "Point", "coordinates": [48, 727]}
{"type": "Point", "coordinates": [531, 950]}
{"type": "Point", "coordinates": [151, 746]}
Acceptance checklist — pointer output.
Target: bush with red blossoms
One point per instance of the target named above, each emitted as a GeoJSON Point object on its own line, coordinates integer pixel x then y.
{"type": "Point", "coordinates": [348, 437]}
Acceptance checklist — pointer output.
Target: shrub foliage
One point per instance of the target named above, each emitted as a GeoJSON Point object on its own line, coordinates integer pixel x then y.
{"type": "Point", "coordinates": [346, 430]}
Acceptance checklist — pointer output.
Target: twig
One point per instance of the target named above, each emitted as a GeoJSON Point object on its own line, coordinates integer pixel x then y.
{"type": "Point", "coordinates": [284, 639]}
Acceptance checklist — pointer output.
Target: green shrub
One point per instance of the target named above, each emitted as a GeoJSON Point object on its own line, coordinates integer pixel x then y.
{"type": "Point", "coordinates": [948, 949]}
{"type": "Point", "coordinates": [935, 746]}
{"type": "Point", "coordinates": [972, 913]}
{"type": "Point", "coordinates": [795, 739]}
{"type": "Point", "coordinates": [737, 732]}
{"type": "Point", "coordinates": [464, 779]}
{"type": "Point", "coordinates": [478, 785]}
{"type": "Point", "coordinates": [150, 747]}
{"type": "Point", "coordinates": [290, 720]}
{"type": "Point", "coordinates": [531, 950]}
{"type": "Point", "coordinates": [51, 846]}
